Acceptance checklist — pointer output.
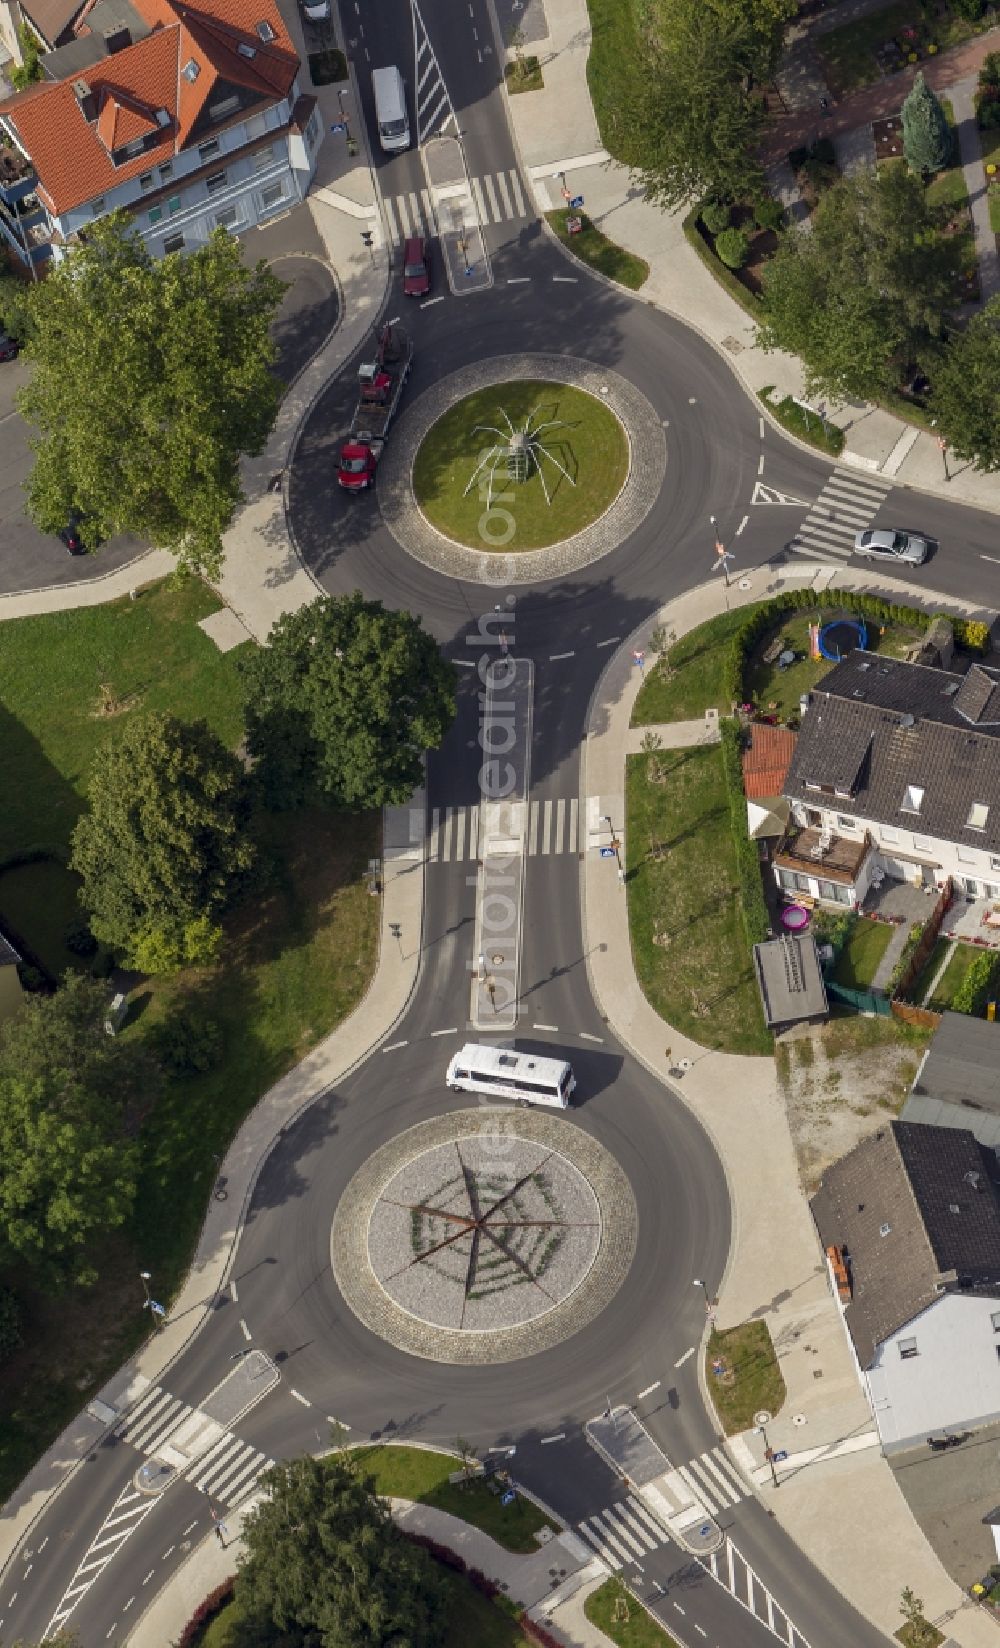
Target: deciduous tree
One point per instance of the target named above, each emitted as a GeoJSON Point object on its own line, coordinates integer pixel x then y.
{"type": "Point", "coordinates": [323, 1555]}
{"type": "Point", "coordinates": [150, 378]}
{"type": "Point", "coordinates": [865, 293]}
{"type": "Point", "coordinates": [163, 847]}
{"type": "Point", "coordinates": [67, 1165]}
{"type": "Point", "coordinates": [342, 701]}
{"type": "Point", "coordinates": [927, 137]}
{"type": "Point", "coordinates": [964, 394]}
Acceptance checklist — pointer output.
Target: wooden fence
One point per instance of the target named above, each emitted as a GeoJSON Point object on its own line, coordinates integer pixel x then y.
{"type": "Point", "coordinates": [928, 939]}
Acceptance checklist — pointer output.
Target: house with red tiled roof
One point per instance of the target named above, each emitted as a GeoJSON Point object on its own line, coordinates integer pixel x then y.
{"type": "Point", "coordinates": [187, 113]}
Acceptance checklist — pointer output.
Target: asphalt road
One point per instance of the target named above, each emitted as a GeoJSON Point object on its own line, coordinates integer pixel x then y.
{"type": "Point", "coordinates": [331, 1366]}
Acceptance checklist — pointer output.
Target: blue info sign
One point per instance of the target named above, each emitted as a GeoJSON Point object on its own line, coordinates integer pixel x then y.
{"type": "Point", "coordinates": [576, 203]}
{"type": "Point", "coordinates": [338, 126]}
{"type": "Point", "coordinates": [508, 1498]}
{"type": "Point", "coordinates": [607, 852]}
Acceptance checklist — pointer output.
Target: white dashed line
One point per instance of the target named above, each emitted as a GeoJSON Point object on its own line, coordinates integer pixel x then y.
{"type": "Point", "coordinates": [452, 1032]}
{"type": "Point", "coordinates": [338, 1422]}
{"type": "Point", "coordinates": [565, 280]}
{"type": "Point", "coordinates": [190, 1525]}
{"type": "Point", "coordinates": [701, 1630]}
{"type": "Point", "coordinates": [760, 471]}
{"type": "Point", "coordinates": [762, 429]}
{"type": "Point", "coordinates": [555, 656]}
{"type": "Point", "coordinates": [28, 1569]}
{"type": "Point", "coordinates": [429, 303]}
{"type": "Point", "coordinates": [149, 1576]}
{"type": "Point", "coordinates": [299, 1397]}
{"type": "Point", "coordinates": [680, 1610]}
{"type": "Point", "coordinates": [742, 524]}
{"type": "Point", "coordinates": [43, 1544]}
{"type": "Point", "coordinates": [518, 280]}
{"type": "Point", "coordinates": [169, 1552]}
{"type": "Point", "coordinates": [610, 641]}
{"type": "Point", "coordinates": [560, 1438]}
{"type": "Point", "coordinates": [463, 663]}
{"type": "Point", "coordinates": [109, 1634]}
{"type": "Point", "coordinates": [128, 1604]}
{"type": "Point", "coordinates": [246, 1331]}
{"type": "Point", "coordinates": [235, 1295]}
{"type": "Point", "coordinates": [649, 1389]}
{"type": "Point", "coordinates": [553, 1027]}
{"type": "Point", "coordinates": [992, 558]}
{"type": "Point", "coordinates": [394, 1046]}
{"type": "Point", "coordinates": [586, 1036]}
{"type": "Point", "coordinates": [682, 1359]}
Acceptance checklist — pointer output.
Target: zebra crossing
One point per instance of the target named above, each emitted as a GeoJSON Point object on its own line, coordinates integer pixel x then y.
{"type": "Point", "coordinates": [714, 1480]}
{"type": "Point", "coordinates": [849, 501]}
{"type": "Point", "coordinates": [552, 827]}
{"type": "Point", "coordinates": [497, 197]}
{"type": "Point", "coordinates": [623, 1532]}
{"type": "Point", "coordinates": [210, 1456]}
{"type": "Point", "coordinates": [629, 1528]}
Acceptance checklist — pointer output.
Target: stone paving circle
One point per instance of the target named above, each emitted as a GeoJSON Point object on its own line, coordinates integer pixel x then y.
{"type": "Point", "coordinates": [414, 533]}
{"type": "Point", "coordinates": [484, 1236]}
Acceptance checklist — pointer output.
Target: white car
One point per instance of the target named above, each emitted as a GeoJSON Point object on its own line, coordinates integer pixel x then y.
{"type": "Point", "coordinates": [886, 545]}
{"type": "Point", "coordinates": [317, 11]}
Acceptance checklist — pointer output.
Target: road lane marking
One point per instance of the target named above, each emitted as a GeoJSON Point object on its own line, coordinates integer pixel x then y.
{"type": "Point", "coordinates": [649, 1389]}
{"type": "Point", "coordinates": [43, 1544]}
{"type": "Point", "coordinates": [586, 1036]}
{"type": "Point", "coordinates": [233, 1292]}
{"type": "Point", "coordinates": [760, 471]}
{"type": "Point", "coordinates": [561, 1437]}
{"type": "Point", "coordinates": [299, 1397]}
{"type": "Point", "coordinates": [701, 1630]}
{"type": "Point", "coordinates": [610, 641]}
{"type": "Point", "coordinates": [565, 280]}
{"type": "Point", "coordinates": [463, 663]}
{"type": "Point", "coordinates": [28, 1569]}
{"type": "Point", "coordinates": [429, 303]}
{"type": "Point", "coordinates": [762, 429]}
{"type": "Point", "coordinates": [338, 1422]}
{"type": "Point", "coordinates": [555, 656]}
{"type": "Point", "coordinates": [742, 524]}
{"type": "Point", "coordinates": [552, 1027]}
{"type": "Point", "coordinates": [169, 1552]}
{"type": "Point", "coordinates": [992, 558]}
{"type": "Point", "coordinates": [680, 1610]}
{"type": "Point", "coordinates": [246, 1331]}
{"type": "Point", "coordinates": [190, 1525]}
{"type": "Point", "coordinates": [394, 1046]}
{"type": "Point", "coordinates": [682, 1359]}
{"type": "Point", "coordinates": [149, 1576]}
{"type": "Point", "coordinates": [518, 280]}
{"type": "Point", "coordinates": [128, 1604]}
{"type": "Point", "coordinates": [452, 1032]}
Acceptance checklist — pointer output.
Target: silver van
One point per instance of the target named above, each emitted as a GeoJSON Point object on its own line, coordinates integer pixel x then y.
{"type": "Point", "coordinates": [390, 110]}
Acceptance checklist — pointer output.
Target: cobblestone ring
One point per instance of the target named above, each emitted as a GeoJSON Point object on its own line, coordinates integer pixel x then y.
{"type": "Point", "coordinates": [484, 1236]}
{"type": "Point", "coordinates": [640, 490]}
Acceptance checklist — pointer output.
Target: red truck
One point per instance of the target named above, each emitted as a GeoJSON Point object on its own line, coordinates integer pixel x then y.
{"type": "Point", "coordinates": [380, 385]}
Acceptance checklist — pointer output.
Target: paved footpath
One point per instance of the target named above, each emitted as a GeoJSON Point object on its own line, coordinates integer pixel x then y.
{"type": "Point", "coordinates": [837, 1498]}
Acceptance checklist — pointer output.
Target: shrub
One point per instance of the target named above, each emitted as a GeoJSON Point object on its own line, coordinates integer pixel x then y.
{"type": "Point", "coordinates": [989, 114]}
{"type": "Point", "coordinates": [989, 74]}
{"type": "Point", "coordinates": [978, 985]}
{"type": "Point", "coordinates": [80, 939]}
{"type": "Point", "coordinates": [188, 1043]}
{"type": "Point", "coordinates": [768, 213]}
{"type": "Point", "coordinates": [971, 10]}
{"type": "Point", "coordinates": [32, 978]}
{"type": "Point", "coordinates": [971, 634]}
{"type": "Point", "coordinates": [905, 958]}
{"type": "Point", "coordinates": [205, 1613]}
{"type": "Point", "coordinates": [732, 247]}
{"type": "Point", "coordinates": [716, 216]}
{"type": "Point", "coordinates": [11, 1338]}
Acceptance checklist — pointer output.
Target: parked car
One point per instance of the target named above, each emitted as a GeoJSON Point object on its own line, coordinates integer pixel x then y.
{"type": "Point", "coordinates": [70, 535]}
{"type": "Point", "coordinates": [416, 268]}
{"type": "Point", "coordinates": [883, 544]}
{"type": "Point", "coordinates": [8, 347]}
{"type": "Point", "coordinates": [317, 11]}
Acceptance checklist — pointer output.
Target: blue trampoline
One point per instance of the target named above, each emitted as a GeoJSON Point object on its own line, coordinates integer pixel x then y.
{"type": "Point", "coordinates": [842, 636]}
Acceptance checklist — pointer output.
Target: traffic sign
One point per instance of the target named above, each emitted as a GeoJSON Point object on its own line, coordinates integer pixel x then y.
{"type": "Point", "coordinates": [576, 203]}
{"type": "Point", "coordinates": [607, 852]}
{"type": "Point", "coordinates": [781, 1453]}
{"type": "Point", "coordinates": [508, 1498]}
{"type": "Point", "coordinates": [574, 225]}
{"type": "Point", "coordinates": [338, 126]}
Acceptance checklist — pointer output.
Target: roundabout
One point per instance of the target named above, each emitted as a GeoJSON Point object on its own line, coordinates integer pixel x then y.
{"type": "Point", "coordinates": [484, 1236]}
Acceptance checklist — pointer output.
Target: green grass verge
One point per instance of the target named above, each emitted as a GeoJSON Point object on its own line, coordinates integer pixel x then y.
{"type": "Point", "coordinates": [752, 1380]}
{"type": "Point", "coordinates": [603, 1608]}
{"type": "Point", "coordinates": [858, 961]}
{"type": "Point", "coordinates": [994, 205]}
{"type": "Point", "coordinates": [415, 1473]}
{"type": "Point", "coordinates": [613, 66]}
{"type": "Point", "coordinates": [525, 76]}
{"type": "Point", "coordinates": [686, 679]}
{"type": "Point", "coordinates": [598, 252]}
{"type": "Point", "coordinates": [948, 189]}
{"type": "Point", "coordinates": [150, 655]}
{"type": "Point", "coordinates": [928, 1637]}
{"type": "Point", "coordinates": [808, 426]}
{"type": "Point", "coordinates": [592, 448]}
{"type": "Point", "coordinates": [962, 958]}
{"type": "Point", "coordinates": [688, 941]}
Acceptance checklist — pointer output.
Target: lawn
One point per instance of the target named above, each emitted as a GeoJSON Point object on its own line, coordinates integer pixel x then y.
{"type": "Point", "coordinates": [61, 673]}
{"type": "Point", "coordinates": [603, 1608]}
{"type": "Point", "coordinates": [848, 53]}
{"type": "Point", "coordinates": [858, 961]}
{"type": "Point", "coordinates": [846, 1033]}
{"type": "Point", "coordinates": [687, 679]}
{"type": "Point", "coordinates": [808, 426]}
{"type": "Point", "coordinates": [598, 252]}
{"type": "Point", "coordinates": [591, 447]}
{"type": "Point", "coordinates": [614, 62]}
{"type": "Point", "coordinates": [416, 1473]}
{"type": "Point", "coordinates": [688, 940]}
{"type": "Point", "coordinates": [751, 1380]}
{"type": "Point", "coordinates": [962, 957]}
{"type": "Point", "coordinates": [39, 904]}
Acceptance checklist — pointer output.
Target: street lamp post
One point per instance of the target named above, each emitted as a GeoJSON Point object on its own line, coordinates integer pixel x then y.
{"type": "Point", "coordinates": [616, 845]}
{"type": "Point", "coordinates": [149, 1303]}
{"type": "Point", "coordinates": [769, 1454]}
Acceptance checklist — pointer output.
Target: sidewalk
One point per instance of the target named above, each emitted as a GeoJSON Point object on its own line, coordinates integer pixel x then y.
{"type": "Point", "coordinates": [837, 1499]}
{"type": "Point", "coordinates": [528, 1580]}
{"type": "Point", "coordinates": [555, 129]}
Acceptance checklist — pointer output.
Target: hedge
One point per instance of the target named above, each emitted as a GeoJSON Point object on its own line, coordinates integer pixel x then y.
{"type": "Point", "coordinates": [756, 920]}
{"type": "Point", "coordinates": [978, 985]}
{"type": "Point", "coordinates": [744, 297]}
{"type": "Point", "coordinates": [971, 634]}
{"type": "Point", "coordinates": [205, 1613]}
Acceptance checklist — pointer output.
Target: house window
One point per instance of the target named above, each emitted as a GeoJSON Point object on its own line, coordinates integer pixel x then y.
{"type": "Point", "coordinates": [971, 887]}
{"type": "Point", "coordinates": [217, 181]}
{"type": "Point", "coordinates": [313, 129]}
{"type": "Point", "coordinates": [262, 158]}
{"type": "Point", "coordinates": [174, 204]}
{"type": "Point", "coordinates": [889, 834]}
{"type": "Point", "coordinates": [226, 218]}
{"type": "Point", "coordinates": [173, 243]}
{"type": "Point", "coordinates": [191, 70]}
{"type": "Point", "coordinates": [845, 795]}
{"type": "Point", "coordinates": [995, 863]}
{"type": "Point", "coordinates": [224, 108]}
{"type": "Point", "coordinates": [256, 126]}
{"type": "Point", "coordinates": [166, 171]}
{"type": "Point", "coordinates": [207, 150]}
{"type": "Point", "coordinates": [271, 196]}
{"type": "Point", "coordinates": [246, 50]}
{"type": "Point", "coordinates": [155, 214]}
{"type": "Point", "coordinates": [844, 823]}
{"type": "Point", "coordinates": [97, 206]}
{"type": "Point", "coordinates": [813, 786]}
{"type": "Point", "coordinates": [979, 812]}
{"type": "Point", "coordinates": [908, 1349]}
{"type": "Point", "coordinates": [964, 856]}
{"type": "Point", "coordinates": [265, 31]}
{"type": "Point", "coordinates": [921, 844]}
{"type": "Point", "coordinates": [145, 181]}
{"type": "Point", "coordinates": [995, 1321]}
{"type": "Point", "coordinates": [912, 799]}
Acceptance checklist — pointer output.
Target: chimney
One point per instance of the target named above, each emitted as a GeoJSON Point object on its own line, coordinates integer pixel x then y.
{"type": "Point", "coordinates": [86, 100]}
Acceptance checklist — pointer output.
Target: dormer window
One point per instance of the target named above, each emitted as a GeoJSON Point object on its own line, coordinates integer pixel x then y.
{"type": "Point", "coordinates": [224, 108]}
{"type": "Point", "coordinates": [191, 70]}
{"type": "Point", "coordinates": [912, 799]}
{"type": "Point", "coordinates": [265, 32]}
{"type": "Point", "coordinates": [979, 812]}
{"type": "Point", "coordinates": [246, 50]}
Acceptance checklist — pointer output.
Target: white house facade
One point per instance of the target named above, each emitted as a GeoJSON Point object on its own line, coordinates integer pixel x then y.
{"type": "Point", "coordinates": [190, 119]}
{"type": "Point", "coordinates": [939, 1372]}
{"type": "Point", "coordinates": [896, 773]}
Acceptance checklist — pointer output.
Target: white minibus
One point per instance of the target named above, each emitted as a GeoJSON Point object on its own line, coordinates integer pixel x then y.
{"type": "Point", "coordinates": [502, 1073]}
{"type": "Point", "coordinates": [390, 110]}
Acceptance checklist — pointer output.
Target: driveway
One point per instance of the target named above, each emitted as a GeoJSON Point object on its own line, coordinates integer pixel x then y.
{"type": "Point", "coordinates": [31, 560]}
{"type": "Point", "coordinates": [949, 1494]}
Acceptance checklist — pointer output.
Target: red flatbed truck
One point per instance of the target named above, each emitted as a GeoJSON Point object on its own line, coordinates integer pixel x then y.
{"type": "Point", "coordinates": [380, 385]}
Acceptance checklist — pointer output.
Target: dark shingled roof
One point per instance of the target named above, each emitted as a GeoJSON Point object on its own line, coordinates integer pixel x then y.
{"type": "Point", "coordinates": [875, 727]}
{"type": "Point", "coordinates": [962, 1065]}
{"type": "Point", "coordinates": [917, 1209]}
